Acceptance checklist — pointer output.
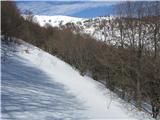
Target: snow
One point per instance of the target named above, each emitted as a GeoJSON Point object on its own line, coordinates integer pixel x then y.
{"type": "Point", "coordinates": [86, 25]}
{"type": "Point", "coordinates": [38, 86]}
{"type": "Point", "coordinates": [56, 20]}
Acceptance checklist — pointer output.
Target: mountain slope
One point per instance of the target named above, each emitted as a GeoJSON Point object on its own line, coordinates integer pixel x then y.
{"type": "Point", "coordinates": [90, 26]}
{"type": "Point", "coordinates": [56, 20]}
{"type": "Point", "coordinates": [37, 85]}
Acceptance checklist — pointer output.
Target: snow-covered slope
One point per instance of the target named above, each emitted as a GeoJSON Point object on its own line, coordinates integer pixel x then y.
{"type": "Point", "coordinates": [106, 29]}
{"type": "Point", "coordinates": [56, 21]}
{"type": "Point", "coordinates": [90, 26]}
{"type": "Point", "coordinates": [39, 86]}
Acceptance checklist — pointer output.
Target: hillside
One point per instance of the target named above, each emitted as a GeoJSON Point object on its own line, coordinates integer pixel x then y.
{"type": "Point", "coordinates": [106, 65]}
{"type": "Point", "coordinates": [37, 85]}
{"type": "Point", "coordinates": [83, 25]}
{"type": "Point", "coordinates": [56, 21]}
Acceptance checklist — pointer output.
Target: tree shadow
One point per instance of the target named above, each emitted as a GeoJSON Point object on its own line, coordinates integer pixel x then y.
{"type": "Point", "coordinates": [29, 93]}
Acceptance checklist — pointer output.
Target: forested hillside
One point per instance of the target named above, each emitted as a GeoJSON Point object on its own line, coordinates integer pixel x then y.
{"type": "Point", "coordinates": [127, 60]}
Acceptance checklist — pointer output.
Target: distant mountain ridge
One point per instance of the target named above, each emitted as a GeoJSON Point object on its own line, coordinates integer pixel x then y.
{"type": "Point", "coordinates": [57, 20]}
{"type": "Point", "coordinates": [90, 26]}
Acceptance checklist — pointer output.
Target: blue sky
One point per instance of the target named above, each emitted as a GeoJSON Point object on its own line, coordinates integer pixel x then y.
{"type": "Point", "coordinates": [84, 9]}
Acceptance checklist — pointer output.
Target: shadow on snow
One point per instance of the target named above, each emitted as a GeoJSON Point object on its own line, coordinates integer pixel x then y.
{"type": "Point", "coordinates": [28, 93]}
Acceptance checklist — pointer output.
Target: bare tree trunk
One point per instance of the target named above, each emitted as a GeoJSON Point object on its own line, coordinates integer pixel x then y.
{"type": "Point", "coordinates": [155, 42]}
{"type": "Point", "coordinates": [155, 111]}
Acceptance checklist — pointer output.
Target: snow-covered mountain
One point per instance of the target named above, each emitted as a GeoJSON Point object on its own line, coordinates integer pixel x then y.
{"type": "Point", "coordinates": [91, 26]}
{"type": "Point", "coordinates": [100, 28]}
{"type": "Point", "coordinates": [56, 21]}
{"type": "Point", "coordinates": [39, 86]}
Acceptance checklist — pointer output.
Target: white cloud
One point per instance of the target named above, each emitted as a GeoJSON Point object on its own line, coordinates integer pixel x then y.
{"type": "Point", "coordinates": [62, 8]}
{"type": "Point", "coordinates": [72, 8]}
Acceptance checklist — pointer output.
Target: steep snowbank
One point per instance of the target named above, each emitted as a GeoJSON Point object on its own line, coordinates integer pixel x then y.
{"type": "Point", "coordinates": [98, 102]}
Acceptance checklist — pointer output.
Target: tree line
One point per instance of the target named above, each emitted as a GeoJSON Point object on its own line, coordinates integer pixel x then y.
{"type": "Point", "coordinates": [132, 64]}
